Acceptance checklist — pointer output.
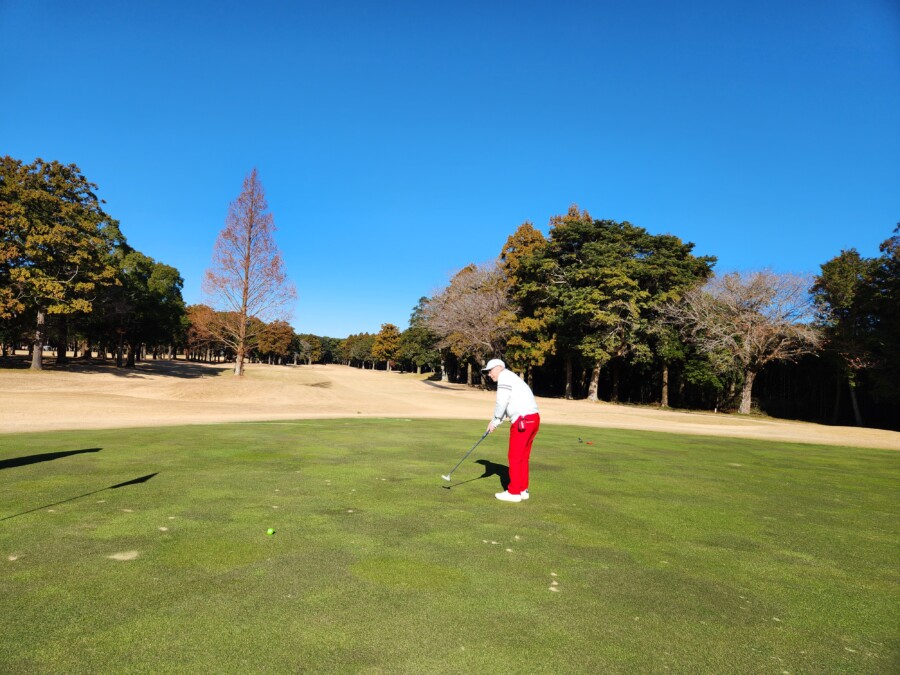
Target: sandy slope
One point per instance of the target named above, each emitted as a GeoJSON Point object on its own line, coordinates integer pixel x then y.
{"type": "Point", "coordinates": [159, 393]}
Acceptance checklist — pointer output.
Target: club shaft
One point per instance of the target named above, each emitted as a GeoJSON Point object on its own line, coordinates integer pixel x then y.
{"type": "Point", "coordinates": [467, 454]}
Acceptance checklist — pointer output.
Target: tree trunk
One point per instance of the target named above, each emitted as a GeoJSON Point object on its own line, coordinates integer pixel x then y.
{"type": "Point", "coordinates": [445, 376]}
{"type": "Point", "coordinates": [531, 377]}
{"type": "Point", "coordinates": [239, 361]}
{"type": "Point", "coordinates": [856, 415]}
{"type": "Point", "coordinates": [62, 344]}
{"type": "Point", "coordinates": [569, 395]}
{"type": "Point", "coordinates": [469, 373]}
{"type": "Point", "coordinates": [132, 355]}
{"type": "Point", "coordinates": [747, 392]}
{"type": "Point", "coordinates": [37, 354]}
{"type": "Point", "coordinates": [614, 394]}
{"type": "Point", "coordinates": [120, 349]}
{"type": "Point", "coordinates": [664, 398]}
{"type": "Point", "coordinates": [595, 383]}
{"type": "Point", "coordinates": [835, 414]}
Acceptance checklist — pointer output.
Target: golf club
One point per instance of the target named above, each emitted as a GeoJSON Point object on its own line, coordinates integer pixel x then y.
{"type": "Point", "coordinates": [447, 475]}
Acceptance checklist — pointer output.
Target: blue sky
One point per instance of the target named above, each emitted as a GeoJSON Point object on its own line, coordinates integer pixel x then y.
{"type": "Point", "coordinates": [400, 141]}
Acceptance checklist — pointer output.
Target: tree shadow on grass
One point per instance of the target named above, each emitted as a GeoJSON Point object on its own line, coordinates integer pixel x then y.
{"type": "Point", "coordinates": [133, 481]}
{"type": "Point", "coordinates": [490, 469]}
{"type": "Point", "coordinates": [451, 387]}
{"type": "Point", "coordinates": [166, 367]}
{"type": "Point", "coordinates": [44, 457]}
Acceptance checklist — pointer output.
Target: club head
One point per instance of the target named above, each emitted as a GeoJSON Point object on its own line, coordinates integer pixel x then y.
{"type": "Point", "coordinates": [446, 477]}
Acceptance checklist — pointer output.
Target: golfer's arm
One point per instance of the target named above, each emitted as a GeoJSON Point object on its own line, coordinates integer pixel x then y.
{"type": "Point", "coordinates": [504, 391]}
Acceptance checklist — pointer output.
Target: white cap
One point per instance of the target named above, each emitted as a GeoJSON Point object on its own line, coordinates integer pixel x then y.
{"type": "Point", "coordinates": [493, 363]}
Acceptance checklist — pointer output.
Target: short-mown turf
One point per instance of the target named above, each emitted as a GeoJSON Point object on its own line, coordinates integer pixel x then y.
{"type": "Point", "coordinates": [145, 550]}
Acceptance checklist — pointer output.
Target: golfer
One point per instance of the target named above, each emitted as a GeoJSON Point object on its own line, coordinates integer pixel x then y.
{"type": "Point", "coordinates": [515, 401]}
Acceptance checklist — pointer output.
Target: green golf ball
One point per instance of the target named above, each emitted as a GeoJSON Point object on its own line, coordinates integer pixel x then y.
{"type": "Point", "coordinates": [270, 531]}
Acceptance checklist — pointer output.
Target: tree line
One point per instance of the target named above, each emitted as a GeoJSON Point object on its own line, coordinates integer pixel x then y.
{"type": "Point", "coordinates": [70, 281]}
{"type": "Point", "coordinates": [600, 309]}
{"type": "Point", "coordinates": [595, 309]}
{"type": "Point", "coordinates": [69, 276]}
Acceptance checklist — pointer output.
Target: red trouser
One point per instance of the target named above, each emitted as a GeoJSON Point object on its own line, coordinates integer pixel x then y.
{"type": "Point", "coordinates": [521, 435]}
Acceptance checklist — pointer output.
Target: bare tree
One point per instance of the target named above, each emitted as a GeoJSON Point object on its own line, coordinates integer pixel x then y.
{"type": "Point", "coordinates": [247, 279]}
{"type": "Point", "coordinates": [754, 318]}
{"type": "Point", "coordinates": [473, 315]}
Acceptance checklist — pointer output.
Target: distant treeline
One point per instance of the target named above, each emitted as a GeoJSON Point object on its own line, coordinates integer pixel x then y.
{"type": "Point", "coordinates": [605, 310]}
{"type": "Point", "coordinates": [596, 309]}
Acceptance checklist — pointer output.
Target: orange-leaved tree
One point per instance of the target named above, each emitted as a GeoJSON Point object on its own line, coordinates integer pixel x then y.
{"type": "Point", "coordinates": [387, 344]}
{"type": "Point", "coordinates": [247, 279]}
{"type": "Point", "coordinates": [275, 341]}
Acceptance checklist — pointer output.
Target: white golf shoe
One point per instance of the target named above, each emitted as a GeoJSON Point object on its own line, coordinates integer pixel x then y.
{"type": "Point", "coordinates": [524, 494]}
{"type": "Point", "coordinates": [506, 497]}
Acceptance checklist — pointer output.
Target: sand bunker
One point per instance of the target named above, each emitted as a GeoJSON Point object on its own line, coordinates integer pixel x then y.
{"type": "Point", "coordinates": [171, 393]}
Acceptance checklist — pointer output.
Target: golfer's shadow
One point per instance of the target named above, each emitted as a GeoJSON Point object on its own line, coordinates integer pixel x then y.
{"type": "Point", "coordinates": [490, 469]}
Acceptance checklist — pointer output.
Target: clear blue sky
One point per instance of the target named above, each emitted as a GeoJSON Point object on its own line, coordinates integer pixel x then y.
{"type": "Point", "coordinates": [400, 141]}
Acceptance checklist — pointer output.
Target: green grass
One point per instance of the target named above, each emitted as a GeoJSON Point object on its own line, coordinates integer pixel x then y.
{"type": "Point", "coordinates": [670, 553]}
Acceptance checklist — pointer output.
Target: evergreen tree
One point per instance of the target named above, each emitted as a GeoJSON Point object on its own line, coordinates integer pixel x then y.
{"type": "Point", "coordinates": [531, 338]}
{"type": "Point", "coordinates": [53, 255]}
{"type": "Point", "coordinates": [844, 298]}
{"type": "Point", "coordinates": [417, 343]}
{"type": "Point", "coordinates": [603, 284]}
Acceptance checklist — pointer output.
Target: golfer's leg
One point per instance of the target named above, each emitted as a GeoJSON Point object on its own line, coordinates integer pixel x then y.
{"type": "Point", "coordinates": [515, 456]}
{"type": "Point", "coordinates": [531, 429]}
{"type": "Point", "coordinates": [526, 456]}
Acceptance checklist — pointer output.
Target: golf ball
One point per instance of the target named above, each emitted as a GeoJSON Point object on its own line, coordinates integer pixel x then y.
{"type": "Point", "coordinates": [270, 531]}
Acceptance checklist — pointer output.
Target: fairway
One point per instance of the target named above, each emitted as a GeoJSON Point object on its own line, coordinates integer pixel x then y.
{"type": "Point", "coordinates": [146, 550]}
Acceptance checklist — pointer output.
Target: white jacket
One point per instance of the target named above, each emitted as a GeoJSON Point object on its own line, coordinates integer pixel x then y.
{"type": "Point", "coordinates": [514, 398]}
